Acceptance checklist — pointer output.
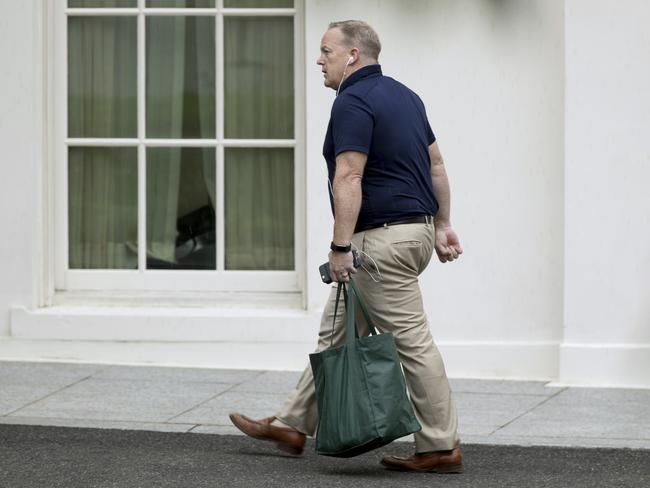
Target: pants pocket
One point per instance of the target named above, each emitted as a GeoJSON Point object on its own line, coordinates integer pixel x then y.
{"type": "Point", "coordinates": [406, 252]}
{"type": "Point", "coordinates": [407, 243]}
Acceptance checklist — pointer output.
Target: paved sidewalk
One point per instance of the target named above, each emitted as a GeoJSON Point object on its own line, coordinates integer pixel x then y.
{"type": "Point", "coordinates": [199, 400]}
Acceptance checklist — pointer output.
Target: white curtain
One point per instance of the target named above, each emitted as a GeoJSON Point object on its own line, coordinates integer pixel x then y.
{"type": "Point", "coordinates": [259, 186]}
{"type": "Point", "coordinates": [259, 209]}
{"type": "Point", "coordinates": [103, 202]}
{"type": "Point", "coordinates": [180, 104]}
{"type": "Point", "coordinates": [102, 182]}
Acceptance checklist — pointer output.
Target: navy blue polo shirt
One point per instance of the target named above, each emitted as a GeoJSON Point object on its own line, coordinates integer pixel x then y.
{"type": "Point", "coordinates": [378, 116]}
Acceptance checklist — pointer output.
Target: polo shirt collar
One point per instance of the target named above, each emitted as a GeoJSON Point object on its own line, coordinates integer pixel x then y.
{"type": "Point", "coordinates": [365, 72]}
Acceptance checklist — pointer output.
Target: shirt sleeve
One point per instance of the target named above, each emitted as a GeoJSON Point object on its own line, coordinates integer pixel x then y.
{"type": "Point", "coordinates": [352, 125]}
{"type": "Point", "coordinates": [431, 137]}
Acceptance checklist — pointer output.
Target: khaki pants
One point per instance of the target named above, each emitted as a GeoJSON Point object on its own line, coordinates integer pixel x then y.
{"type": "Point", "coordinates": [402, 252]}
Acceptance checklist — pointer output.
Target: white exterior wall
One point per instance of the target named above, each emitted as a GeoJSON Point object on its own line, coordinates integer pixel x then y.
{"type": "Point", "coordinates": [492, 76]}
{"type": "Point", "coordinates": [21, 126]}
{"type": "Point", "coordinates": [607, 299]}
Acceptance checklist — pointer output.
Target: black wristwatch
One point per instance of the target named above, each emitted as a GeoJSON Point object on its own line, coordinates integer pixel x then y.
{"type": "Point", "coordinates": [337, 248]}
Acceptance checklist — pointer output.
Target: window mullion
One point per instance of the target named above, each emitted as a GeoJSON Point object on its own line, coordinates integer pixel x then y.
{"type": "Point", "coordinates": [175, 12]}
{"type": "Point", "coordinates": [101, 12]}
{"type": "Point", "coordinates": [260, 12]}
{"type": "Point", "coordinates": [100, 142]}
{"type": "Point", "coordinates": [300, 183]}
{"type": "Point", "coordinates": [220, 101]}
{"type": "Point", "coordinates": [259, 142]}
{"type": "Point", "coordinates": [62, 132]}
{"type": "Point", "coordinates": [142, 150]}
{"type": "Point", "coordinates": [220, 210]}
{"type": "Point", "coordinates": [180, 142]}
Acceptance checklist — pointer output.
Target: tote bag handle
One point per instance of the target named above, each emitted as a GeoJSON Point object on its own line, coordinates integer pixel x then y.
{"type": "Point", "coordinates": [349, 295]}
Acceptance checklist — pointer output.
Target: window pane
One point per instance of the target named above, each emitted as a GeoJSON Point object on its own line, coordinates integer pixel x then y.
{"type": "Point", "coordinates": [259, 77]}
{"type": "Point", "coordinates": [102, 3]}
{"type": "Point", "coordinates": [180, 208]}
{"type": "Point", "coordinates": [180, 3]}
{"type": "Point", "coordinates": [259, 209]}
{"type": "Point", "coordinates": [103, 207]}
{"type": "Point", "coordinates": [258, 3]}
{"type": "Point", "coordinates": [102, 77]}
{"type": "Point", "coordinates": [180, 77]}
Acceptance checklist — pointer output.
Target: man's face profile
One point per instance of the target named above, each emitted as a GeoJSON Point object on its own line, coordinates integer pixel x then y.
{"type": "Point", "coordinates": [333, 56]}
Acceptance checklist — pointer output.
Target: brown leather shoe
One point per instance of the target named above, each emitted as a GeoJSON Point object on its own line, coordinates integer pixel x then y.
{"type": "Point", "coordinates": [429, 462]}
{"type": "Point", "coordinates": [288, 440]}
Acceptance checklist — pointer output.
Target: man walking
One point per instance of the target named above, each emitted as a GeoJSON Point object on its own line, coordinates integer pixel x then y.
{"type": "Point", "coordinates": [391, 199]}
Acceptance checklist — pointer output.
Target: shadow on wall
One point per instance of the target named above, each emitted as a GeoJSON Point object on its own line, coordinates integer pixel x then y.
{"type": "Point", "coordinates": [504, 12]}
{"type": "Point", "coordinates": [496, 16]}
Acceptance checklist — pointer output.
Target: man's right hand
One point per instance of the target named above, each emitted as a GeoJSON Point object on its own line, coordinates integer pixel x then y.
{"type": "Point", "coordinates": [341, 266]}
{"type": "Point", "coordinates": [447, 244]}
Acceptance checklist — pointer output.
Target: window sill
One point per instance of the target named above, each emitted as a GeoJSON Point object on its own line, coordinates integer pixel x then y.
{"type": "Point", "coordinates": [179, 299]}
{"type": "Point", "coordinates": [151, 318]}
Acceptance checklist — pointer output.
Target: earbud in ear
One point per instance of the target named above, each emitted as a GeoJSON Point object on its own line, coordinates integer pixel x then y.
{"type": "Point", "coordinates": [350, 59]}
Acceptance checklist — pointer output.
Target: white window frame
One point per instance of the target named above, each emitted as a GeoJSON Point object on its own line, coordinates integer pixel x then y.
{"type": "Point", "coordinates": [219, 280]}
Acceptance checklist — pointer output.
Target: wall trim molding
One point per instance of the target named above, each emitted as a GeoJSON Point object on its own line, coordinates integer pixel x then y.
{"type": "Point", "coordinates": [232, 338]}
{"type": "Point", "coordinates": [605, 364]}
{"type": "Point", "coordinates": [164, 324]}
{"type": "Point", "coordinates": [251, 338]}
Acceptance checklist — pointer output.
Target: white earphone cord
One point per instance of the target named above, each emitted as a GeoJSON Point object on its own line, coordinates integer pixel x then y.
{"type": "Point", "coordinates": [350, 59]}
{"type": "Point", "coordinates": [363, 266]}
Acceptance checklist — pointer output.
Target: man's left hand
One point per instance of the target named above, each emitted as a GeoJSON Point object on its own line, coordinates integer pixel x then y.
{"type": "Point", "coordinates": [447, 244]}
{"type": "Point", "coordinates": [341, 266]}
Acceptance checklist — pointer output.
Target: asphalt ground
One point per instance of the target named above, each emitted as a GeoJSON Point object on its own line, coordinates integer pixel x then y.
{"type": "Point", "coordinates": [38, 456]}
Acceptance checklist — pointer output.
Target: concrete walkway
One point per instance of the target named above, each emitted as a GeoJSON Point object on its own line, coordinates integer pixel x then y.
{"type": "Point", "coordinates": [199, 400]}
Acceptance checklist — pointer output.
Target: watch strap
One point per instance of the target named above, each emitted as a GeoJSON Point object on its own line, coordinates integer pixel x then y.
{"type": "Point", "coordinates": [336, 248]}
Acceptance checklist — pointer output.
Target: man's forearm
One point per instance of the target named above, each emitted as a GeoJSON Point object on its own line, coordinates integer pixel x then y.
{"type": "Point", "coordinates": [347, 203]}
{"type": "Point", "coordinates": [441, 192]}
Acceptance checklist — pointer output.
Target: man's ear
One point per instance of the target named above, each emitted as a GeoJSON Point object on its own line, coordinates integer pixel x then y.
{"type": "Point", "coordinates": [354, 56]}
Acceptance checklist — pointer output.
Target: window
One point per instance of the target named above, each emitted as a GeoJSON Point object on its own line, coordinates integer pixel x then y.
{"type": "Point", "coordinates": [179, 159]}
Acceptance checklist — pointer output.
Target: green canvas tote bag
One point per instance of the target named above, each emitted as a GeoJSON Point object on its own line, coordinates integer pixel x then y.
{"type": "Point", "coordinates": [360, 389]}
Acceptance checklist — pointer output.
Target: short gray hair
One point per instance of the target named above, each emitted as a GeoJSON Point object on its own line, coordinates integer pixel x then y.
{"type": "Point", "coordinates": [360, 35]}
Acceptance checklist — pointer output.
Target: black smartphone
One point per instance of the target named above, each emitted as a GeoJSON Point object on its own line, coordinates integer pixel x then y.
{"type": "Point", "coordinates": [324, 269]}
